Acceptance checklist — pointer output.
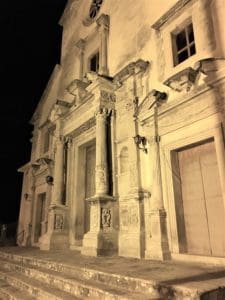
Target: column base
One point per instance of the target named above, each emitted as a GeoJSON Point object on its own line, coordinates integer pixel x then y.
{"type": "Point", "coordinates": [57, 236]}
{"type": "Point", "coordinates": [54, 241]}
{"type": "Point", "coordinates": [100, 243]}
{"type": "Point", "coordinates": [102, 239]}
{"type": "Point", "coordinates": [157, 247]}
{"type": "Point", "coordinates": [131, 244]}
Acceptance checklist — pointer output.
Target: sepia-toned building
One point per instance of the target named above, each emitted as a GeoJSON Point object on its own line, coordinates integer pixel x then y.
{"type": "Point", "coordinates": [128, 142]}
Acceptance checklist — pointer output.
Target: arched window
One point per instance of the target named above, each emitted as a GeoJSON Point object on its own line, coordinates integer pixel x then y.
{"type": "Point", "coordinates": [124, 160]}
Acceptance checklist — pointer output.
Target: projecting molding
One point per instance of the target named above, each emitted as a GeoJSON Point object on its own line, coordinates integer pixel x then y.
{"type": "Point", "coordinates": [170, 13]}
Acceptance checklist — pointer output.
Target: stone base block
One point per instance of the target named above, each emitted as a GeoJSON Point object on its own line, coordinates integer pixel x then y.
{"type": "Point", "coordinates": [131, 244]}
{"type": "Point", "coordinates": [100, 243]}
{"type": "Point", "coordinates": [157, 247]}
{"type": "Point", "coordinates": [54, 241]}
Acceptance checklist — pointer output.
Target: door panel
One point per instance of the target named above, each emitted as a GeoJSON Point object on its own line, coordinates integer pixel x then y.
{"type": "Point", "coordinates": [197, 236]}
{"type": "Point", "coordinates": [89, 183]}
{"type": "Point", "coordinates": [202, 200]}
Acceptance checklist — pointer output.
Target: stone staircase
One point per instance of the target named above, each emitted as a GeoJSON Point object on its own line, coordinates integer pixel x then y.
{"type": "Point", "coordinates": [26, 278]}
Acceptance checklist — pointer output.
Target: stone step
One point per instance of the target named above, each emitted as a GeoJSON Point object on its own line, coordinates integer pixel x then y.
{"type": "Point", "coordinates": [73, 285]}
{"type": "Point", "coordinates": [133, 285]}
{"type": "Point", "coordinates": [31, 287]}
{"type": "Point", "coordinates": [8, 292]}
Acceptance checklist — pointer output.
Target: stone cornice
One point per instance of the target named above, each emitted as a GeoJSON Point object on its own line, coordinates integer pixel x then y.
{"type": "Point", "coordinates": [131, 69]}
{"type": "Point", "coordinates": [24, 168]}
{"type": "Point", "coordinates": [170, 13]}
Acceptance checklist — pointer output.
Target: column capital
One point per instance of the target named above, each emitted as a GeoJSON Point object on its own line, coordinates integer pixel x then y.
{"type": "Point", "coordinates": [80, 44]}
{"type": "Point", "coordinates": [102, 112]}
{"type": "Point", "coordinates": [103, 22]}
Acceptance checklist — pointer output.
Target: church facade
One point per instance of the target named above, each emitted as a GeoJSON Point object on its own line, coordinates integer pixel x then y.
{"type": "Point", "coordinates": [128, 142]}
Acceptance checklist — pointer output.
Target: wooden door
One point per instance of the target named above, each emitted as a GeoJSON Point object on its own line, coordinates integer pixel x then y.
{"type": "Point", "coordinates": [40, 215]}
{"type": "Point", "coordinates": [89, 182]}
{"type": "Point", "coordinates": [203, 207]}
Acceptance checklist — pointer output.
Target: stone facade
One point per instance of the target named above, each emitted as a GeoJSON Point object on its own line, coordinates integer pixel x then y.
{"type": "Point", "coordinates": [128, 142]}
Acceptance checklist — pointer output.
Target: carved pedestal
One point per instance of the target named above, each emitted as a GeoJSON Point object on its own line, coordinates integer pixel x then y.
{"type": "Point", "coordinates": [57, 234]}
{"type": "Point", "coordinates": [131, 237]}
{"type": "Point", "coordinates": [102, 237]}
{"type": "Point", "coordinates": [157, 247]}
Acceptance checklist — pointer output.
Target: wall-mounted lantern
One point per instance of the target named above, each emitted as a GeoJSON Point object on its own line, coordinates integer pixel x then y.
{"type": "Point", "coordinates": [49, 179]}
{"type": "Point", "coordinates": [141, 142]}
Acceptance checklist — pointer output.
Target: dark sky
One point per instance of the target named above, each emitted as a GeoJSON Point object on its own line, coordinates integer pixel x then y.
{"type": "Point", "coordinates": [29, 49]}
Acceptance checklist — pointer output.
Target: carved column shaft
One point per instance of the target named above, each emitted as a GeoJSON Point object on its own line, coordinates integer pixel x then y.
{"type": "Point", "coordinates": [102, 185]}
{"type": "Point", "coordinates": [58, 171]}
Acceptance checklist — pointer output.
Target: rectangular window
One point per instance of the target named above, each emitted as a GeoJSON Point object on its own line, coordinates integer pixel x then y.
{"type": "Point", "coordinates": [183, 44]}
{"type": "Point", "coordinates": [94, 63]}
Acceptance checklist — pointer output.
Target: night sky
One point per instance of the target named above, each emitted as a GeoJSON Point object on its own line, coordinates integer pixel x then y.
{"type": "Point", "coordinates": [29, 49]}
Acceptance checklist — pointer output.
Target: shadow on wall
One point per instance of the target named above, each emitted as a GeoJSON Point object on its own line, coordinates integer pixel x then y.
{"type": "Point", "coordinates": [218, 294]}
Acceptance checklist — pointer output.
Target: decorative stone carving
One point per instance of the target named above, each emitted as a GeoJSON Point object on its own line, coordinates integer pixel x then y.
{"type": "Point", "coordinates": [101, 152]}
{"type": "Point", "coordinates": [182, 81]}
{"type": "Point", "coordinates": [58, 225]}
{"type": "Point", "coordinates": [107, 96]}
{"type": "Point", "coordinates": [84, 127]}
{"type": "Point", "coordinates": [208, 66]}
{"type": "Point", "coordinates": [129, 216]}
{"type": "Point", "coordinates": [44, 161]}
{"type": "Point", "coordinates": [101, 177]}
{"type": "Point", "coordinates": [106, 218]}
{"type": "Point", "coordinates": [132, 68]}
{"type": "Point", "coordinates": [133, 216]}
{"type": "Point", "coordinates": [77, 88]}
{"type": "Point", "coordinates": [103, 21]}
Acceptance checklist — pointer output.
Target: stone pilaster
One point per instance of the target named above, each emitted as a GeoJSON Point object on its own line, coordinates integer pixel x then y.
{"type": "Point", "coordinates": [157, 246]}
{"type": "Point", "coordinates": [81, 47]}
{"type": "Point", "coordinates": [132, 204]}
{"type": "Point", "coordinates": [102, 237]}
{"type": "Point", "coordinates": [203, 28]}
{"type": "Point", "coordinates": [56, 236]}
{"type": "Point", "coordinates": [103, 27]}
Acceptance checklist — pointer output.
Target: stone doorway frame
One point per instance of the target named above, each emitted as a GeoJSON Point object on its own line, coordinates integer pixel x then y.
{"type": "Point", "coordinates": [168, 146]}
{"type": "Point", "coordinates": [76, 189]}
{"type": "Point", "coordinates": [43, 215]}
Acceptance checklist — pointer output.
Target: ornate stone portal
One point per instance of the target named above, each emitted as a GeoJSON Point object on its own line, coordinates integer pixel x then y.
{"type": "Point", "coordinates": [102, 237]}
{"type": "Point", "coordinates": [117, 186]}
